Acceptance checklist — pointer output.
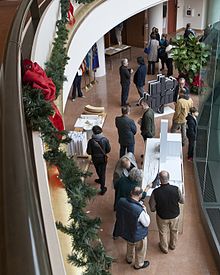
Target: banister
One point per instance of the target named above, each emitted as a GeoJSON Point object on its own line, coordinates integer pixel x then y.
{"type": "Point", "coordinates": [23, 247]}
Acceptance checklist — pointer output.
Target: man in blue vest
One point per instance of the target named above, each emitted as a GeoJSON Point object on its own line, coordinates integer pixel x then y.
{"type": "Point", "coordinates": [132, 223]}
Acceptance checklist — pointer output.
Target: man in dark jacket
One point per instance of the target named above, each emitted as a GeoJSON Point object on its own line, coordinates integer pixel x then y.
{"type": "Point", "coordinates": [126, 131]}
{"type": "Point", "coordinates": [147, 120]}
{"type": "Point", "coordinates": [132, 223]}
{"type": "Point", "coordinates": [140, 75]}
{"type": "Point", "coordinates": [98, 147]}
{"type": "Point", "coordinates": [165, 201]}
{"type": "Point", "coordinates": [191, 130]}
{"type": "Point", "coordinates": [125, 76]}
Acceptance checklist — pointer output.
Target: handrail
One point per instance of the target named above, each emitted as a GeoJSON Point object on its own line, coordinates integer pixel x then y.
{"type": "Point", "coordinates": [23, 248]}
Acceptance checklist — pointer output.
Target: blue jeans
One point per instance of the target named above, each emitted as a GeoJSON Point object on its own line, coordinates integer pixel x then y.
{"type": "Point", "coordinates": [129, 148]}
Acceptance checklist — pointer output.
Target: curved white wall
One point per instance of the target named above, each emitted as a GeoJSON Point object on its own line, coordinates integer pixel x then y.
{"type": "Point", "coordinates": [96, 24]}
{"type": "Point", "coordinates": [44, 36]}
{"type": "Point", "coordinates": [45, 33]}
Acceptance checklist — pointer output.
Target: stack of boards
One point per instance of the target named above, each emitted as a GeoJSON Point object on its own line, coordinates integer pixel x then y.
{"type": "Point", "coordinates": [89, 109]}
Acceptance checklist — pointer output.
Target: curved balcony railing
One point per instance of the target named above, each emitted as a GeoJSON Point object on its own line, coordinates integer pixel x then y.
{"type": "Point", "coordinates": [23, 246]}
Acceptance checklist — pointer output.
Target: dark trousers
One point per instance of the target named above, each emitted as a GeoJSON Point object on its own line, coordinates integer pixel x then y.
{"type": "Point", "coordinates": [141, 91]}
{"type": "Point", "coordinates": [169, 63]}
{"type": "Point", "coordinates": [77, 86]}
{"type": "Point", "coordinates": [100, 170]}
{"type": "Point", "coordinates": [191, 147]}
{"type": "Point", "coordinates": [124, 93]}
{"type": "Point", "coordinates": [123, 148]}
{"type": "Point", "coordinates": [163, 61]}
{"type": "Point", "coordinates": [151, 67]}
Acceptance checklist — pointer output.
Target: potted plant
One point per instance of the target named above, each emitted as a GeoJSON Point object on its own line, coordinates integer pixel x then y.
{"type": "Point", "coordinates": [189, 57]}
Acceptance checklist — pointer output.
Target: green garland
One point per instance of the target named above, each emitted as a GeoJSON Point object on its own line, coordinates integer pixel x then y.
{"type": "Point", "coordinates": [87, 249]}
{"type": "Point", "coordinates": [55, 67]}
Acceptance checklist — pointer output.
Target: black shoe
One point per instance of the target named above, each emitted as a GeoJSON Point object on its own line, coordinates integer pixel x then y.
{"type": "Point", "coordinates": [146, 264]}
{"type": "Point", "coordinates": [102, 192]}
{"type": "Point", "coordinates": [97, 180]}
{"type": "Point", "coordinates": [128, 262]}
{"type": "Point", "coordinates": [172, 247]}
{"type": "Point", "coordinates": [162, 249]}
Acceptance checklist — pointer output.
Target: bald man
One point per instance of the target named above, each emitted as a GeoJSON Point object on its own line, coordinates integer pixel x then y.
{"type": "Point", "coordinates": [165, 201]}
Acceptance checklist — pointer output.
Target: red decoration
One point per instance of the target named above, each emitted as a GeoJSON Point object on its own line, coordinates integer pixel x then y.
{"type": "Point", "coordinates": [197, 81]}
{"type": "Point", "coordinates": [37, 78]}
{"type": "Point", "coordinates": [70, 15]}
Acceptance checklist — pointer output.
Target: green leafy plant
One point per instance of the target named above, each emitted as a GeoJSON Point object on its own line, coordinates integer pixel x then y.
{"type": "Point", "coordinates": [87, 249]}
{"type": "Point", "coordinates": [189, 56]}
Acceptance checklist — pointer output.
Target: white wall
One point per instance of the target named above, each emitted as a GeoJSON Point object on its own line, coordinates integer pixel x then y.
{"type": "Point", "coordinates": [45, 33]}
{"type": "Point", "coordinates": [44, 36]}
{"type": "Point", "coordinates": [198, 20]}
{"type": "Point", "coordinates": [156, 18]}
{"type": "Point", "coordinates": [96, 24]}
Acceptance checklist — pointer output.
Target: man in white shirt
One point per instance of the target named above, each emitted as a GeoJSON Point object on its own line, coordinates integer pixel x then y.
{"type": "Point", "coordinates": [132, 223]}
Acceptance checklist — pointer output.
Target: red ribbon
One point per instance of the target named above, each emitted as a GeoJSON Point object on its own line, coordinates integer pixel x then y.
{"type": "Point", "coordinates": [35, 76]}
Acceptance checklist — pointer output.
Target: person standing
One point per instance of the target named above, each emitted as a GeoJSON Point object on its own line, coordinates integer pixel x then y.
{"type": "Point", "coordinates": [153, 55]}
{"type": "Point", "coordinates": [124, 185]}
{"type": "Point", "coordinates": [124, 166]}
{"type": "Point", "coordinates": [188, 31]}
{"type": "Point", "coordinates": [162, 50]}
{"type": "Point", "coordinates": [165, 201]}
{"type": "Point", "coordinates": [140, 75]}
{"type": "Point", "coordinates": [125, 76]}
{"type": "Point", "coordinates": [191, 130]}
{"type": "Point", "coordinates": [169, 59]}
{"type": "Point", "coordinates": [146, 123]}
{"type": "Point", "coordinates": [132, 223]}
{"type": "Point", "coordinates": [180, 86]}
{"type": "Point", "coordinates": [126, 131]}
{"type": "Point", "coordinates": [182, 107]}
{"type": "Point", "coordinates": [98, 147]}
{"type": "Point", "coordinates": [77, 85]}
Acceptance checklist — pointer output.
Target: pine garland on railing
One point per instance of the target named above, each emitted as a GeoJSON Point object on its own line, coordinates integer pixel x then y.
{"type": "Point", "coordinates": [87, 249]}
{"type": "Point", "coordinates": [55, 67]}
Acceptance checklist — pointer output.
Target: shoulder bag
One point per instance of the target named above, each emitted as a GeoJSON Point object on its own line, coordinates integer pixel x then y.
{"type": "Point", "coordinates": [106, 157]}
{"type": "Point", "coordinates": [148, 48]}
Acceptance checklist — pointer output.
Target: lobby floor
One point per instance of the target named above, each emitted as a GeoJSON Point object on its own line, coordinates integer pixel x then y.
{"type": "Point", "coordinates": [193, 255]}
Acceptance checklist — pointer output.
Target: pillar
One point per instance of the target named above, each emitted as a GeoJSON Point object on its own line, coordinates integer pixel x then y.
{"type": "Point", "coordinates": [156, 18]}
{"type": "Point", "coordinates": [101, 71]}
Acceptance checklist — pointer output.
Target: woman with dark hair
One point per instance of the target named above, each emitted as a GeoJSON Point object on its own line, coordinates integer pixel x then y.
{"type": "Point", "coordinates": [188, 31]}
{"type": "Point", "coordinates": [153, 55]}
{"type": "Point", "coordinates": [140, 75]}
{"type": "Point", "coordinates": [98, 147]}
{"type": "Point", "coordinates": [162, 50]}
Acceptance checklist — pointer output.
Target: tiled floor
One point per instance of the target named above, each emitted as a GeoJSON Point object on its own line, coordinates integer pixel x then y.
{"type": "Point", "coordinates": [192, 255]}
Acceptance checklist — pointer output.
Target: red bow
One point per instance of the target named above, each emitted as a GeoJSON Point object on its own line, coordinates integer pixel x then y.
{"type": "Point", "coordinates": [37, 78]}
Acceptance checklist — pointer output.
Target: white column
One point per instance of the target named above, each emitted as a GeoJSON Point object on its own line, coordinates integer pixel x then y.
{"type": "Point", "coordinates": [101, 71]}
{"type": "Point", "coordinates": [156, 18]}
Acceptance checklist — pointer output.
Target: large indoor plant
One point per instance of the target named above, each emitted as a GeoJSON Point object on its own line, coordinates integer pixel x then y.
{"type": "Point", "coordinates": [189, 57]}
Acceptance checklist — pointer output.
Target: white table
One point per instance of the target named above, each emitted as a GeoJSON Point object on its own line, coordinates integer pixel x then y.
{"type": "Point", "coordinates": [164, 153]}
